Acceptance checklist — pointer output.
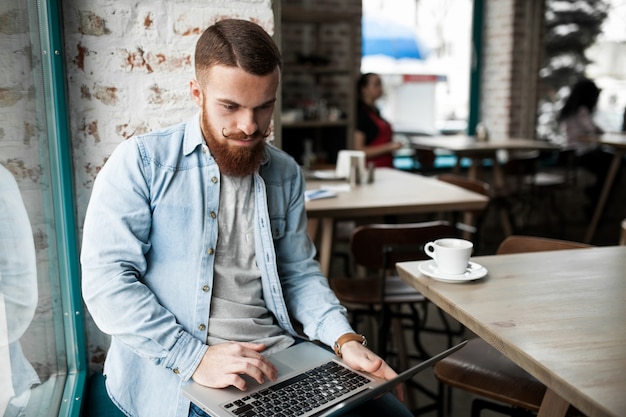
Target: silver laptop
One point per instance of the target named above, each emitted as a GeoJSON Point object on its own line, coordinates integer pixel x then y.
{"type": "Point", "coordinates": [312, 381]}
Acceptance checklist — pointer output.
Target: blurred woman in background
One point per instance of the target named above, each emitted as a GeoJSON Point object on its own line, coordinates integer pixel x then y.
{"type": "Point", "coordinates": [373, 134]}
{"type": "Point", "coordinates": [582, 133]}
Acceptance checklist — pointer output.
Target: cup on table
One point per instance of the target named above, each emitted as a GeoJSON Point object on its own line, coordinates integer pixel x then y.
{"type": "Point", "coordinates": [450, 254]}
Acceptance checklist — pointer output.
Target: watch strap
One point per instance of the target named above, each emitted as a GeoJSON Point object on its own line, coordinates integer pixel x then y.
{"type": "Point", "coordinates": [348, 337]}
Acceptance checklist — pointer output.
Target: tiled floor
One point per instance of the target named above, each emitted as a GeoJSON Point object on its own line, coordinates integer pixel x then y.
{"type": "Point", "coordinates": [570, 223]}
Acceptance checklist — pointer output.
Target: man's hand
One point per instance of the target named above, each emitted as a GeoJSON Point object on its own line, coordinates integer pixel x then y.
{"type": "Point", "coordinates": [361, 358]}
{"type": "Point", "coordinates": [222, 365]}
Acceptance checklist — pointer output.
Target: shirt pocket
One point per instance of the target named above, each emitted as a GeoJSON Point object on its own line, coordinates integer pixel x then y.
{"type": "Point", "coordinates": [278, 227]}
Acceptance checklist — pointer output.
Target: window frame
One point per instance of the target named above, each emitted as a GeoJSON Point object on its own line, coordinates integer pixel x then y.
{"type": "Point", "coordinates": [62, 190]}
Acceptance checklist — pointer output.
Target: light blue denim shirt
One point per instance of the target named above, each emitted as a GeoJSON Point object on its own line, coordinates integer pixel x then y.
{"type": "Point", "coordinates": [147, 262]}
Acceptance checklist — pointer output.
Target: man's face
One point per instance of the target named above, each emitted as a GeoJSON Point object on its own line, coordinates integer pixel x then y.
{"type": "Point", "coordinates": [236, 111]}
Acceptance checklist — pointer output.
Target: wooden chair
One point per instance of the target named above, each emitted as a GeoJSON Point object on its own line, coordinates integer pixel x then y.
{"type": "Point", "coordinates": [524, 244]}
{"type": "Point", "coordinates": [481, 369]}
{"type": "Point", "coordinates": [472, 220]}
{"type": "Point", "coordinates": [378, 292]}
{"type": "Point", "coordinates": [549, 180]}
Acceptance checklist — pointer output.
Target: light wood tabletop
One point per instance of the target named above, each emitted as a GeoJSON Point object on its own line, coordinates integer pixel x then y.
{"type": "Point", "coordinates": [559, 315]}
{"type": "Point", "coordinates": [617, 141]}
{"type": "Point", "coordinates": [393, 192]}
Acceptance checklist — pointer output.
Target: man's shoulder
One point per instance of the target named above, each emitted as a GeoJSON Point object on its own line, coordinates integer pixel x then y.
{"type": "Point", "coordinates": [280, 164]}
{"type": "Point", "coordinates": [168, 133]}
{"type": "Point", "coordinates": [281, 158]}
{"type": "Point", "coordinates": [169, 144]}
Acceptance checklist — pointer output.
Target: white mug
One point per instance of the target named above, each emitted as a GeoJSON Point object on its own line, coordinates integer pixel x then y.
{"type": "Point", "coordinates": [450, 254]}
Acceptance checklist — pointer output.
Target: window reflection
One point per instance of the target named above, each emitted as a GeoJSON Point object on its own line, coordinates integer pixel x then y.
{"type": "Point", "coordinates": [32, 313]}
{"type": "Point", "coordinates": [18, 296]}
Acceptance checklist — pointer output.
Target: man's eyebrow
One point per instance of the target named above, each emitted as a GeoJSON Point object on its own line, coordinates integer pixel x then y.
{"type": "Point", "coordinates": [227, 101]}
{"type": "Point", "coordinates": [234, 103]}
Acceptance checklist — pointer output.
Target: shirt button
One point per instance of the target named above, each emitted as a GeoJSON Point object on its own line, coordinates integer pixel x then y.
{"type": "Point", "coordinates": [213, 215]}
{"type": "Point", "coordinates": [176, 371]}
{"type": "Point", "coordinates": [202, 327]}
{"type": "Point", "coordinates": [210, 251]}
{"type": "Point", "coordinates": [204, 149]}
{"type": "Point", "coordinates": [214, 180]}
{"type": "Point", "coordinates": [205, 288]}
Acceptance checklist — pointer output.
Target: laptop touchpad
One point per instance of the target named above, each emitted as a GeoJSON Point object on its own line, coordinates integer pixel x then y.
{"type": "Point", "coordinates": [283, 368]}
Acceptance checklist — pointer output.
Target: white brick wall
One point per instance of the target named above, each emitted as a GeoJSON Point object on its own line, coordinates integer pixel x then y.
{"type": "Point", "coordinates": [510, 72]}
{"type": "Point", "coordinates": [129, 66]}
{"type": "Point", "coordinates": [496, 72]}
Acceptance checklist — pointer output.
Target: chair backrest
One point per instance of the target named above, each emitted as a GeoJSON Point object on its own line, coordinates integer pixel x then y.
{"type": "Point", "coordinates": [469, 225]}
{"type": "Point", "coordinates": [475, 185]}
{"type": "Point", "coordinates": [369, 244]}
{"type": "Point", "coordinates": [517, 169]}
{"type": "Point", "coordinates": [522, 244]}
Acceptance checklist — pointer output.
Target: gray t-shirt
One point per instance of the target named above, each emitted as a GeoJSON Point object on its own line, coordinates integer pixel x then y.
{"type": "Point", "coordinates": [238, 311]}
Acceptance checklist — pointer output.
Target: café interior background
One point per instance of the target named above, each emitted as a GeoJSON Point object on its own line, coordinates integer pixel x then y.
{"type": "Point", "coordinates": [128, 66]}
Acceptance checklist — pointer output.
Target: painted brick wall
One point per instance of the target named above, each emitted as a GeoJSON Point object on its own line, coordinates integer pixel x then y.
{"type": "Point", "coordinates": [496, 71]}
{"type": "Point", "coordinates": [511, 55]}
{"type": "Point", "coordinates": [129, 66]}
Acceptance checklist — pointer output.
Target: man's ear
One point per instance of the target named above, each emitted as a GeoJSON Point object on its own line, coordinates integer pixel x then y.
{"type": "Point", "coordinates": [196, 92]}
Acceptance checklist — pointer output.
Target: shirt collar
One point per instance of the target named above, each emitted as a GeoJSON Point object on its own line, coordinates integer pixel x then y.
{"type": "Point", "coordinates": [193, 135]}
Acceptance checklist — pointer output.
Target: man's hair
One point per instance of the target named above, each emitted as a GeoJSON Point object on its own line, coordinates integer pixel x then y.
{"type": "Point", "coordinates": [237, 43]}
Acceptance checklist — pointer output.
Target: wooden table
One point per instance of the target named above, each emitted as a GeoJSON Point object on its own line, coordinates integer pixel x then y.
{"type": "Point", "coordinates": [618, 142]}
{"type": "Point", "coordinates": [392, 193]}
{"type": "Point", "coordinates": [559, 315]}
{"type": "Point", "coordinates": [468, 147]}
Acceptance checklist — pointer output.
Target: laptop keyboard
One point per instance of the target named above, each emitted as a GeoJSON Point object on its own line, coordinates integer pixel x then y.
{"type": "Point", "coordinates": [301, 394]}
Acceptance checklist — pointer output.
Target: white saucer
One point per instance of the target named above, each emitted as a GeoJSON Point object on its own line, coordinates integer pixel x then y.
{"type": "Point", "coordinates": [474, 271]}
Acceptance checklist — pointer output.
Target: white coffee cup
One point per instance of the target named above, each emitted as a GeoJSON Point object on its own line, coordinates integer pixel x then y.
{"type": "Point", "coordinates": [450, 254]}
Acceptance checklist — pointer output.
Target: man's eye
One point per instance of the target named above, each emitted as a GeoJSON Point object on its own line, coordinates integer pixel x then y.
{"type": "Point", "coordinates": [230, 106]}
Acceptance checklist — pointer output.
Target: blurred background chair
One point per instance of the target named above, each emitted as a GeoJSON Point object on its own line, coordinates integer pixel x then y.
{"type": "Point", "coordinates": [468, 223]}
{"type": "Point", "coordinates": [553, 173]}
{"type": "Point", "coordinates": [510, 198]}
{"type": "Point", "coordinates": [481, 369]}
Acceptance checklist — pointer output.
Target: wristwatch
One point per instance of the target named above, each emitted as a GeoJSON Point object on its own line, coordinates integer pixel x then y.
{"type": "Point", "coordinates": [348, 337]}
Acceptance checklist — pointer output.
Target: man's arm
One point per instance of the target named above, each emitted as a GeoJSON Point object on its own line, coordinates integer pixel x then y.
{"type": "Point", "coordinates": [116, 238]}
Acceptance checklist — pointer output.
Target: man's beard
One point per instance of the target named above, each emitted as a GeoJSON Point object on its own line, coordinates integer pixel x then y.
{"type": "Point", "coordinates": [235, 161]}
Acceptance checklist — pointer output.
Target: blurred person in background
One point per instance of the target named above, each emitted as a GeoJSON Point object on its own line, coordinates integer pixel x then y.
{"type": "Point", "coordinates": [18, 297]}
{"type": "Point", "coordinates": [373, 134]}
{"type": "Point", "coordinates": [582, 134]}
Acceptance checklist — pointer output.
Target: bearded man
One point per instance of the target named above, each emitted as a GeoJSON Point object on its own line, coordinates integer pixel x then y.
{"type": "Point", "coordinates": [195, 256]}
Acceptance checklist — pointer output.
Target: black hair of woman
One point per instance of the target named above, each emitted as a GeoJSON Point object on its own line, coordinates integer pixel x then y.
{"type": "Point", "coordinates": [584, 93]}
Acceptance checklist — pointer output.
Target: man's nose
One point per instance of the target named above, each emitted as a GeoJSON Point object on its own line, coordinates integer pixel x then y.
{"type": "Point", "coordinates": [247, 124]}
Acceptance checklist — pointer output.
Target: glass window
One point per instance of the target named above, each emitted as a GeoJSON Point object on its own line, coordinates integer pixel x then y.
{"type": "Point", "coordinates": [37, 323]}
